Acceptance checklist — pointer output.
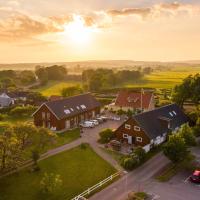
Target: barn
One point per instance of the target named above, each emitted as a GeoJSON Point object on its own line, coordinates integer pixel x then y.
{"type": "Point", "coordinates": [151, 128]}
{"type": "Point", "coordinates": [66, 113]}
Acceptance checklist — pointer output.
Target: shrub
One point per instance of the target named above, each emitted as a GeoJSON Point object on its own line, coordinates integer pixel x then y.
{"type": "Point", "coordinates": [106, 135]}
{"type": "Point", "coordinates": [121, 112]}
{"type": "Point", "coordinates": [83, 146]}
{"type": "Point", "coordinates": [140, 153]}
{"type": "Point", "coordinates": [2, 117]}
{"type": "Point", "coordinates": [129, 163]}
{"type": "Point", "coordinates": [22, 111]}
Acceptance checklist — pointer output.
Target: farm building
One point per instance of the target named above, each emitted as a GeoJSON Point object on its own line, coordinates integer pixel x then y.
{"type": "Point", "coordinates": [66, 113]}
{"type": "Point", "coordinates": [133, 100]}
{"type": "Point", "coordinates": [151, 128]}
{"type": "Point", "coordinates": [5, 100]}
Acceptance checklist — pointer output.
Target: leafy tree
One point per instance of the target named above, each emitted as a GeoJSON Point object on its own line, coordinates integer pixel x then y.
{"type": "Point", "coordinates": [35, 156]}
{"type": "Point", "coordinates": [50, 183]}
{"type": "Point", "coordinates": [106, 135]}
{"type": "Point", "coordinates": [183, 91]}
{"type": "Point", "coordinates": [24, 133]}
{"type": "Point", "coordinates": [10, 152]}
{"type": "Point", "coordinates": [71, 91]}
{"type": "Point", "coordinates": [7, 82]}
{"type": "Point", "coordinates": [42, 75]}
{"type": "Point", "coordinates": [27, 77]}
{"type": "Point", "coordinates": [129, 163]}
{"type": "Point", "coordinates": [175, 149]}
{"type": "Point", "coordinates": [23, 110]}
{"type": "Point", "coordinates": [187, 133]}
{"type": "Point", "coordinates": [140, 153]}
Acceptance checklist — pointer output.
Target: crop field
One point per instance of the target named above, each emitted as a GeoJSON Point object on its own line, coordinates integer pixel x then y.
{"type": "Point", "coordinates": [55, 87]}
{"type": "Point", "coordinates": [163, 79]}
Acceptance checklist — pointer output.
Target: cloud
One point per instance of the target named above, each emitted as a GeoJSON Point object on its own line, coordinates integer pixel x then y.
{"type": "Point", "coordinates": [17, 25]}
{"type": "Point", "coordinates": [143, 12]}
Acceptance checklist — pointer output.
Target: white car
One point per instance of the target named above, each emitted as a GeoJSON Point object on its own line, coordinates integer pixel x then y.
{"type": "Point", "coordinates": [116, 118]}
{"type": "Point", "coordinates": [95, 121]}
{"type": "Point", "coordinates": [87, 124]}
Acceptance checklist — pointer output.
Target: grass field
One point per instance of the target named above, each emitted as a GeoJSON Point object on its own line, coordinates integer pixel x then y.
{"type": "Point", "coordinates": [55, 87]}
{"type": "Point", "coordinates": [165, 79]}
{"type": "Point", "coordinates": [79, 169]}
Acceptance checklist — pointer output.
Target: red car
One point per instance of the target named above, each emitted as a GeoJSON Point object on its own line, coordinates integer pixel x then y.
{"type": "Point", "coordinates": [195, 178]}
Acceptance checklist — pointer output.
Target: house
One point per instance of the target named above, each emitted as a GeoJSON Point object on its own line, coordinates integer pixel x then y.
{"type": "Point", "coordinates": [66, 113]}
{"type": "Point", "coordinates": [133, 100]}
{"type": "Point", "coordinates": [5, 100]}
{"type": "Point", "coordinates": [151, 128]}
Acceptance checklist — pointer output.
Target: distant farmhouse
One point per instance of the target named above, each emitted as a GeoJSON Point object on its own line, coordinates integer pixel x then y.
{"type": "Point", "coordinates": [5, 100]}
{"type": "Point", "coordinates": [132, 100]}
{"type": "Point", "coordinates": [66, 113]}
{"type": "Point", "coordinates": [151, 128]}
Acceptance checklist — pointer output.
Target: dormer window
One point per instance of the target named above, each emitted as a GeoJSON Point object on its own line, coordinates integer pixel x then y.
{"type": "Point", "coordinates": [136, 128]}
{"type": "Point", "coordinates": [67, 111]}
{"type": "Point", "coordinates": [127, 126]}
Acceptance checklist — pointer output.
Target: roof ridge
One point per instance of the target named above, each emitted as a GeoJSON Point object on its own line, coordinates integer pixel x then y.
{"type": "Point", "coordinates": [64, 99]}
{"type": "Point", "coordinates": [155, 109]}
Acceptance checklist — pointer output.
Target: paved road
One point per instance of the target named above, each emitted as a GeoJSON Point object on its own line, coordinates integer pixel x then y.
{"type": "Point", "coordinates": [136, 180]}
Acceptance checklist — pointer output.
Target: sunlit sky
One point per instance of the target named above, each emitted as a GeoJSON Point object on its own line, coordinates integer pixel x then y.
{"type": "Point", "coordinates": [78, 30]}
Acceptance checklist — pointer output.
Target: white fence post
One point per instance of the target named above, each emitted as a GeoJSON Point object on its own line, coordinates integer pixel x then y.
{"type": "Point", "coordinates": [91, 189]}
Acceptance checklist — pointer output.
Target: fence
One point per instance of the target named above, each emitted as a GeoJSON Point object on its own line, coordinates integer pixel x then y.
{"type": "Point", "coordinates": [95, 187]}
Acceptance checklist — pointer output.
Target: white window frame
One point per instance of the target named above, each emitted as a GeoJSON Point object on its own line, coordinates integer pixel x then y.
{"type": "Point", "coordinates": [137, 128]}
{"type": "Point", "coordinates": [139, 139]}
{"type": "Point", "coordinates": [125, 136]}
{"type": "Point", "coordinates": [127, 126]}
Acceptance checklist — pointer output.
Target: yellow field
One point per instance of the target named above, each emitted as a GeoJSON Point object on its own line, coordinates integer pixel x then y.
{"type": "Point", "coordinates": [55, 87]}
{"type": "Point", "coordinates": [165, 79]}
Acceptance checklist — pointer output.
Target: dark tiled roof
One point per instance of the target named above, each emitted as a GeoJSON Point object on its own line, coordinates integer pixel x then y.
{"type": "Point", "coordinates": [73, 105]}
{"type": "Point", "coordinates": [133, 99]}
{"type": "Point", "coordinates": [151, 124]}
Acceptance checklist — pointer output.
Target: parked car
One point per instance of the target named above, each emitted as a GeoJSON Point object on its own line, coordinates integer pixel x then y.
{"type": "Point", "coordinates": [100, 119]}
{"type": "Point", "coordinates": [116, 118]}
{"type": "Point", "coordinates": [195, 177]}
{"type": "Point", "coordinates": [95, 122]}
{"type": "Point", "coordinates": [104, 118]}
{"type": "Point", "coordinates": [87, 124]}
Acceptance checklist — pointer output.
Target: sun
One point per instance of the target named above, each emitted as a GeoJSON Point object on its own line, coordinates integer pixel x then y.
{"type": "Point", "coordinates": [77, 32]}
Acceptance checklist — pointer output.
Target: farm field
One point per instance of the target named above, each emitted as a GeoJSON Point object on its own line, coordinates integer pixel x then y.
{"type": "Point", "coordinates": [74, 167]}
{"type": "Point", "coordinates": [164, 79]}
{"type": "Point", "coordinates": [55, 87]}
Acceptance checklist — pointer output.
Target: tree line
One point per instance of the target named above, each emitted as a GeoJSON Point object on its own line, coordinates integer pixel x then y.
{"type": "Point", "coordinates": [97, 80]}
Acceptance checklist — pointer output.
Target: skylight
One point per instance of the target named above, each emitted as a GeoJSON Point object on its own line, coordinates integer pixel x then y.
{"type": "Point", "coordinates": [83, 106]}
{"type": "Point", "coordinates": [174, 112]}
{"type": "Point", "coordinates": [77, 107]}
{"type": "Point", "coordinates": [72, 109]}
{"type": "Point", "coordinates": [171, 114]}
{"type": "Point", "coordinates": [67, 111]}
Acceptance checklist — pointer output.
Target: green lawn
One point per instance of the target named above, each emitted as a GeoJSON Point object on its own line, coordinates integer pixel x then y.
{"type": "Point", "coordinates": [55, 87]}
{"type": "Point", "coordinates": [79, 169]}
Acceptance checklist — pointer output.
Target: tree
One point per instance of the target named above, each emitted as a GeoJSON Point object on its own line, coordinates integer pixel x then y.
{"type": "Point", "coordinates": [175, 149]}
{"type": "Point", "coordinates": [71, 91]}
{"type": "Point", "coordinates": [35, 156]}
{"type": "Point", "coordinates": [186, 132]}
{"type": "Point", "coordinates": [129, 163]}
{"type": "Point", "coordinates": [183, 91]}
{"type": "Point", "coordinates": [23, 110]}
{"type": "Point", "coordinates": [50, 183]}
{"type": "Point", "coordinates": [106, 135]}
{"type": "Point", "coordinates": [42, 75]}
{"type": "Point", "coordinates": [24, 133]}
{"type": "Point", "coordinates": [27, 77]}
{"type": "Point", "coordinates": [10, 152]}
{"type": "Point", "coordinates": [140, 153]}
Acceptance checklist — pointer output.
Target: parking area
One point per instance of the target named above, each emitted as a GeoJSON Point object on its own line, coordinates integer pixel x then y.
{"type": "Point", "coordinates": [179, 188]}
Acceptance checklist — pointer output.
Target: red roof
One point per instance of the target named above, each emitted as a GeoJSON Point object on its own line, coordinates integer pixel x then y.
{"type": "Point", "coordinates": [133, 99]}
